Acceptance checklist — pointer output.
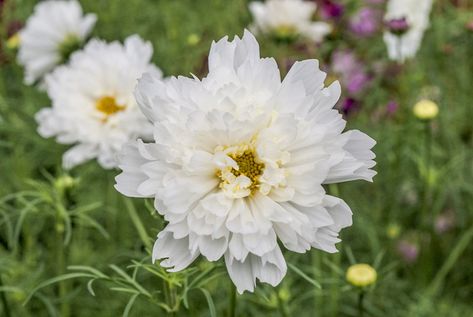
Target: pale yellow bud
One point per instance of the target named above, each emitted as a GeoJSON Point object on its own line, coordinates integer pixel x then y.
{"type": "Point", "coordinates": [426, 109]}
{"type": "Point", "coordinates": [361, 275]}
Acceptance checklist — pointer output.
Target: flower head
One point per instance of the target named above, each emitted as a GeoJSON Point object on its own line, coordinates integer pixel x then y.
{"type": "Point", "coordinates": [288, 19]}
{"type": "Point", "coordinates": [361, 275]}
{"type": "Point", "coordinates": [238, 162]}
{"type": "Point", "coordinates": [331, 9]}
{"type": "Point", "coordinates": [425, 109]}
{"type": "Point", "coordinates": [408, 250]}
{"type": "Point", "coordinates": [397, 26]}
{"type": "Point", "coordinates": [392, 107]}
{"type": "Point", "coordinates": [365, 22]}
{"type": "Point", "coordinates": [92, 101]}
{"type": "Point", "coordinates": [52, 33]}
{"type": "Point", "coordinates": [406, 22]}
{"type": "Point", "coordinates": [351, 70]}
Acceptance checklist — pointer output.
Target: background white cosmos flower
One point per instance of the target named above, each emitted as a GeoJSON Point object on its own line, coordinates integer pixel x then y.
{"type": "Point", "coordinates": [92, 100]}
{"type": "Point", "coordinates": [51, 34]}
{"type": "Point", "coordinates": [287, 19]}
{"type": "Point", "coordinates": [238, 162]}
{"type": "Point", "coordinates": [416, 13]}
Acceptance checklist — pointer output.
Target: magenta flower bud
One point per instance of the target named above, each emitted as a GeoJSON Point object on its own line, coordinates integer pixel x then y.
{"type": "Point", "coordinates": [397, 26]}
{"type": "Point", "coordinates": [392, 107]}
{"type": "Point", "coordinates": [349, 105]}
{"type": "Point", "coordinates": [331, 10]}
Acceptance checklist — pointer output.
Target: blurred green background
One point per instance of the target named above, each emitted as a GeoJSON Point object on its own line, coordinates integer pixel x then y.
{"type": "Point", "coordinates": [61, 231]}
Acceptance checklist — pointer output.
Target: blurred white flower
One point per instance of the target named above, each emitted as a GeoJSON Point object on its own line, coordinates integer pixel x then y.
{"type": "Point", "coordinates": [51, 34]}
{"type": "Point", "coordinates": [239, 159]}
{"type": "Point", "coordinates": [92, 101]}
{"type": "Point", "coordinates": [406, 22]}
{"type": "Point", "coordinates": [287, 19]}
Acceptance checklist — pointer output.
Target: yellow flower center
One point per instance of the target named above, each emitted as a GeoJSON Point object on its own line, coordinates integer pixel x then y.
{"type": "Point", "coordinates": [247, 166]}
{"type": "Point", "coordinates": [285, 32]}
{"type": "Point", "coordinates": [108, 106]}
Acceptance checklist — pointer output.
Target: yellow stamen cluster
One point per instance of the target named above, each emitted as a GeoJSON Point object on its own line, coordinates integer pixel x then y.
{"type": "Point", "coordinates": [108, 105]}
{"type": "Point", "coordinates": [248, 166]}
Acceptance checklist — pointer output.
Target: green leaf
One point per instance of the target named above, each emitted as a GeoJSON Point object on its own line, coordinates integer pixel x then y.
{"type": "Point", "coordinates": [129, 305]}
{"type": "Point", "coordinates": [210, 302]}
{"type": "Point", "coordinates": [305, 276]}
{"type": "Point", "coordinates": [53, 281]}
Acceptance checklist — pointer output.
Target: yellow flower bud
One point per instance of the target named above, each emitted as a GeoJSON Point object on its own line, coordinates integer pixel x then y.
{"type": "Point", "coordinates": [193, 39]}
{"type": "Point", "coordinates": [426, 109]}
{"type": "Point", "coordinates": [361, 275]}
{"type": "Point", "coordinates": [14, 41]}
{"type": "Point", "coordinates": [393, 231]}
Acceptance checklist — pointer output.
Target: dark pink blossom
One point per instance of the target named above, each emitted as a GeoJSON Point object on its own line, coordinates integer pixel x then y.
{"type": "Point", "coordinates": [331, 9]}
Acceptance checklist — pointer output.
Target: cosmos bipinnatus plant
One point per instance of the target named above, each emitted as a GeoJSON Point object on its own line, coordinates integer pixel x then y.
{"type": "Point", "coordinates": [239, 160]}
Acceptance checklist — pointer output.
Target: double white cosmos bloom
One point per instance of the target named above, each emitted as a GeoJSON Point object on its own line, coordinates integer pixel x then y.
{"type": "Point", "coordinates": [92, 101]}
{"type": "Point", "coordinates": [416, 12]}
{"type": "Point", "coordinates": [288, 19]}
{"type": "Point", "coordinates": [51, 34]}
{"type": "Point", "coordinates": [239, 159]}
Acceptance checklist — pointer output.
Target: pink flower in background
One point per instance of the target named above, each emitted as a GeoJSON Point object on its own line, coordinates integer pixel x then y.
{"type": "Point", "coordinates": [365, 22]}
{"type": "Point", "coordinates": [469, 25]}
{"type": "Point", "coordinates": [349, 105]}
{"type": "Point", "coordinates": [331, 9]}
{"type": "Point", "coordinates": [444, 222]}
{"type": "Point", "coordinates": [408, 251]}
{"type": "Point", "coordinates": [392, 107]}
{"type": "Point", "coordinates": [352, 72]}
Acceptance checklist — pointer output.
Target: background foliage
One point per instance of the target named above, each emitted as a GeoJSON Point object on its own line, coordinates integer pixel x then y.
{"type": "Point", "coordinates": [70, 245]}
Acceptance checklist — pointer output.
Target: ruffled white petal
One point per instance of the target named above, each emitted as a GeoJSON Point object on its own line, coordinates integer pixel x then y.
{"type": "Point", "coordinates": [269, 268]}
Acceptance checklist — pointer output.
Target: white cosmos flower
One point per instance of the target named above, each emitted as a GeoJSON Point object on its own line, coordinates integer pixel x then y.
{"type": "Point", "coordinates": [238, 162]}
{"type": "Point", "coordinates": [92, 101]}
{"type": "Point", "coordinates": [51, 34]}
{"type": "Point", "coordinates": [288, 19]}
{"type": "Point", "coordinates": [416, 13]}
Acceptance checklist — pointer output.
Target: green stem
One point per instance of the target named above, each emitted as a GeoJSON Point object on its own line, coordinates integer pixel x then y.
{"type": "Point", "coordinates": [61, 263]}
{"type": "Point", "coordinates": [428, 167]}
{"type": "Point", "coordinates": [6, 307]}
{"type": "Point", "coordinates": [361, 309]}
{"type": "Point", "coordinates": [232, 301]}
{"type": "Point", "coordinates": [317, 258]}
{"type": "Point", "coordinates": [282, 308]}
{"type": "Point", "coordinates": [137, 223]}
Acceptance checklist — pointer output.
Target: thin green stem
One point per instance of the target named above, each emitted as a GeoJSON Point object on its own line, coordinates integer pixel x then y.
{"type": "Point", "coordinates": [232, 301]}
{"type": "Point", "coordinates": [361, 309]}
{"type": "Point", "coordinates": [428, 167]}
{"type": "Point", "coordinates": [61, 263]}
{"type": "Point", "coordinates": [317, 258]}
{"type": "Point", "coordinates": [281, 307]}
{"type": "Point", "coordinates": [6, 307]}
{"type": "Point", "coordinates": [137, 223]}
